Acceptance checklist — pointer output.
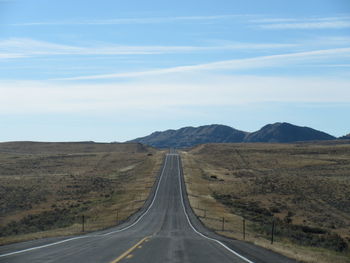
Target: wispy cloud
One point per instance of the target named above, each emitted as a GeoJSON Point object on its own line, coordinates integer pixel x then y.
{"type": "Point", "coordinates": [11, 55]}
{"type": "Point", "coordinates": [260, 21]}
{"type": "Point", "coordinates": [135, 20]}
{"type": "Point", "coordinates": [309, 25]}
{"type": "Point", "coordinates": [236, 64]}
{"type": "Point", "coordinates": [21, 47]}
{"type": "Point", "coordinates": [329, 40]}
{"type": "Point", "coordinates": [340, 22]}
{"type": "Point", "coordinates": [161, 93]}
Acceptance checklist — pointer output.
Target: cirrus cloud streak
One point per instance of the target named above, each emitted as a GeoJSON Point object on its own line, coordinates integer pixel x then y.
{"type": "Point", "coordinates": [25, 97]}
{"type": "Point", "coordinates": [235, 64]}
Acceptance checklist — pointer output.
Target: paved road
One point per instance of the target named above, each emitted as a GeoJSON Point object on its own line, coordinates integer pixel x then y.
{"type": "Point", "coordinates": [165, 230]}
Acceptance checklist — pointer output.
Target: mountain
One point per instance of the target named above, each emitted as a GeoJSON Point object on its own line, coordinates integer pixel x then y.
{"type": "Point", "coordinates": [190, 136]}
{"type": "Point", "coordinates": [345, 137]}
{"type": "Point", "coordinates": [286, 132]}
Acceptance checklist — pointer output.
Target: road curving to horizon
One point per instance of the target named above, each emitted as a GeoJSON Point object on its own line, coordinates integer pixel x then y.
{"type": "Point", "coordinates": [164, 230]}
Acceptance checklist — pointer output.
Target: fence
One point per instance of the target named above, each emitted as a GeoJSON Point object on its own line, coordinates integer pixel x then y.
{"type": "Point", "coordinates": [237, 227]}
{"type": "Point", "coordinates": [269, 230]}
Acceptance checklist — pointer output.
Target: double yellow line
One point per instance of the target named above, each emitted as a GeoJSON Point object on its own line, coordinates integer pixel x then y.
{"type": "Point", "coordinates": [126, 253]}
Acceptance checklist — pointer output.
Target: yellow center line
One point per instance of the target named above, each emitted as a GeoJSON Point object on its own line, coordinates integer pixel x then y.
{"type": "Point", "coordinates": [126, 253]}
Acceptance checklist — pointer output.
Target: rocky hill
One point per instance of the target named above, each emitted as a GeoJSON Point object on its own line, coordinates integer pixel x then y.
{"type": "Point", "coordinates": [286, 132]}
{"type": "Point", "coordinates": [345, 137]}
{"type": "Point", "coordinates": [190, 136]}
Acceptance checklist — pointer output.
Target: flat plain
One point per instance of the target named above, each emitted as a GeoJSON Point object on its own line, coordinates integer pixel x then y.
{"type": "Point", "coordinates": [49, 189]}
{"type": "Point", "coordinates": [303, 189]}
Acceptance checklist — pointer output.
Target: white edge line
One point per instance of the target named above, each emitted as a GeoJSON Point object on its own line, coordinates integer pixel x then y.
{"type": "Point", "coordinates": [150, 206]}
{"type": "Point", "coordinates": [109, 233]}
{"type": "Point", "coordinates": [43, 246]}
{"type": "Point", "coordinates": [195, 230]}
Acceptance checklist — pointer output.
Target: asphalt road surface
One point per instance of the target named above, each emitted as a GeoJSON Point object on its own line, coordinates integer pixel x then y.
{"type": "Point", "coordinates": [164, 230]}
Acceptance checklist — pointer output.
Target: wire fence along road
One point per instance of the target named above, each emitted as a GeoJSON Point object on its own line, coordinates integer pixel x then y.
{"type": "Point", "coordinates": [164, 230]}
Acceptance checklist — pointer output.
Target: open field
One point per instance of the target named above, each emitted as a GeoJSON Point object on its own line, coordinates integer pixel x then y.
{"type": "Point", "coordinates": [303, 188]}
{"type": "Point", "coordinates": [47, 188]}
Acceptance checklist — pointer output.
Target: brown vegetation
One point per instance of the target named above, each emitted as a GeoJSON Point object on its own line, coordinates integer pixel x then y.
{"type": "Point", "coordinates": [304, 188]}
{"type": "Point", "coordinates": [46, 188]}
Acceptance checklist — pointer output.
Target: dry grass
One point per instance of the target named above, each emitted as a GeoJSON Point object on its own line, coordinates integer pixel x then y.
{"type": "Point", "coordinates": [298, 185]}
{"type": "Point", "coordinates": [46, 188]}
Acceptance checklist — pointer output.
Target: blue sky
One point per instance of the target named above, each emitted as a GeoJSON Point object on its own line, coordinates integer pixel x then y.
{"type": "Point", "coordinates": [116, 70]}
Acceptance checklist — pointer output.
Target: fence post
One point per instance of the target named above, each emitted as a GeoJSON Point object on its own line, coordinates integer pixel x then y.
{"type": "Point", "coordinates": [83, 223]}
{"type": "Point", "coordinates": [272, 230]}
{"type": "Point", "coordinates": [205, 213]}
{"type": "Point", "coordinates": [117, 217]}
{"type": "Point", "coordinates": [243, 229]}
{"type": "Point", "coordinates": [223, 224]}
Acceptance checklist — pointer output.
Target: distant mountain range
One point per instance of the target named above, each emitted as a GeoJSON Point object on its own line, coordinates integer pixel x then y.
{"type": "Point", "coordinates": [190, 136]}
{"type": "Point", "coordinates": [286, 132]}
{"type": "Point", "coordinates": [346, 137]}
